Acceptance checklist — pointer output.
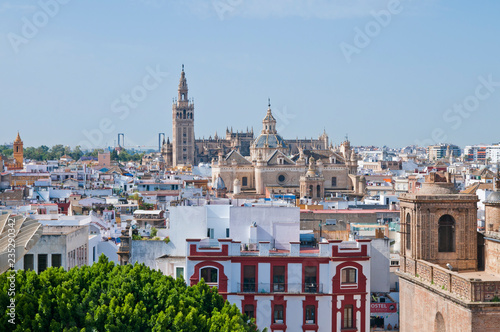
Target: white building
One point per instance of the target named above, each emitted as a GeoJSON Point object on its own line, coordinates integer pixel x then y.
{"type": "Point", "coordinates": [65, 246]}
{"type": "Point", "coordinates": [323, 289]}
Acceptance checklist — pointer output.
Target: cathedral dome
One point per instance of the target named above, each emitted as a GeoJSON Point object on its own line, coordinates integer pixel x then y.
{"type": "Point", "coordinates": [269, 141]}
{"type": "Point", "coordinates": [269, 137]}
{"type": "Point", "coordinates": [494, 197]}
{"type": "Point", "coordinates": [219, 184]}
{"type": "Point", "coordinates": [437, 189]}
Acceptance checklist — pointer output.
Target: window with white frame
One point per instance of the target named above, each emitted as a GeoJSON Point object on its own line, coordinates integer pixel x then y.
{"type": "Point", "coordinates": [349, 276]}
{"type": "Point", "coordinates": [210, 275]}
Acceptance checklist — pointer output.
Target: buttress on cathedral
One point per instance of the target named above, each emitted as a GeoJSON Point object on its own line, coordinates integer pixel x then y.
{"type": "Point", "coordinates": [262, 165]}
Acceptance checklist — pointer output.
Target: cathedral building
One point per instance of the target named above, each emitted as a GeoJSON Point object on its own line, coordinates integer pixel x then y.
{"type": "Point", "coordinates": [186, 150]}
{"type": "Point", "coordinates": [271, 169]}
{"type": "Point", "coordinates": [268, 163]}
{"type": "Point", "coordinates": [449, 277]}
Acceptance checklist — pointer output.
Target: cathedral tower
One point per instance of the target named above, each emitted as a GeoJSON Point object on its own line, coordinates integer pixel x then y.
{"type": "Point", "coordinates": [183, 144]}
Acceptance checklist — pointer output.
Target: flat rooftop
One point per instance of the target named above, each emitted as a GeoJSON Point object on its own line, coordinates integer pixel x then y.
{"type": "Point", "coordinates": [483, 275]}
{"type": "Point", "coordinates": [350, 211]}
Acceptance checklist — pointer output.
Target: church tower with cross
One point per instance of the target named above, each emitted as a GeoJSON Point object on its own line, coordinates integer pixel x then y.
{"type": "Point", "coordinates": [183, 141]}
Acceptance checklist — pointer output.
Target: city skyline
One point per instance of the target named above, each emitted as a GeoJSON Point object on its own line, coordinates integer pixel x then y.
{"type": "Point", "coordinates": [390, 73]}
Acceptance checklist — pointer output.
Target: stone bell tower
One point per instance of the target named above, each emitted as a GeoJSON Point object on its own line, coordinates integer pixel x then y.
{"type": "Point", "coordinates": [183, 144]}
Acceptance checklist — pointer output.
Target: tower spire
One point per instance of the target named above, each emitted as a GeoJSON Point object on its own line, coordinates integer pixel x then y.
{"type": "Point", "coordinates": [183, 87]}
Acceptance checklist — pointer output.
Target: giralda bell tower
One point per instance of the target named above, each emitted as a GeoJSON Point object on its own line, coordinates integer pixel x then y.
{"type": "Point", "coordinates": [183, 126]}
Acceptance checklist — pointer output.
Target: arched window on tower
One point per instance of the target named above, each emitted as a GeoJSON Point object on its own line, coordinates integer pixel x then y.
{"type": "Point", "coordinates": [184, 114]}
{"type": "Point", "coordinates": [408, 232]}
{"type": "Point", "coordinates": [439, 325]}
{"type": "Point", "coordinates": [446, 234]}
{"type": "Point", "coordinates": [318, 190]}
{"type": "Point", "coordinates": [17, 148]}
{"type": "Point", "coordinates": [183, 96]}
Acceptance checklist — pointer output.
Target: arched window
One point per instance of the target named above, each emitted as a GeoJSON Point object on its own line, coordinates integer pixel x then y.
{"type": "Point", "coordinates": [311, 190]}
{"type": "Point", "coordinates": [17, 148]}
{"type": "Point", "coordinates": [209, 274]}
{"type": "Point", "coordinates": [244, 181]}
{"type": "Point", "coordinates": [184, 114]}
{"type": "Point", "coordinates": [318, 190]}
{"type": "Point", "coordinates": [349, 275]}
{"type": "Point", "coordinates": [183, 96]}
{"type": "Point", "coordinates": [408, 232]}
{"type": "Point", "coordinates": [446, 234]}
{"type": "Point", "coordinates": [439, 323]}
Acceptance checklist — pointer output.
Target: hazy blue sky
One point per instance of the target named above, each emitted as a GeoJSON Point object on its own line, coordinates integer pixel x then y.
{"type": "Point", "coordinates": [390, 78]}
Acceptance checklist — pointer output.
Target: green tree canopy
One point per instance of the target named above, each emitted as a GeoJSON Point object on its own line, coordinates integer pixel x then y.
{"type": "Point", "coordinates": [109, 297]}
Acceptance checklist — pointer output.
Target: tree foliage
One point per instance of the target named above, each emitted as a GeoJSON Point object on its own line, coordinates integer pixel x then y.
{"type": "Point", "coordinates": [109, 297]}
{"type": "Point", "coordinates": [43, 152]}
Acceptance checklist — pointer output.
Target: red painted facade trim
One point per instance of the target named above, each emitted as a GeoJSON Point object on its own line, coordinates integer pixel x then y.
{"type": "Point", "coordinates": [285, 264]}
{"type": "Point", "coordinates": [349, 294]}
{"type": "Point", "coordinates": [222, 278]}
{"type": "Point", "coordinates": [339, 252]}
{"type": "Point", "coordinates": [310, 300]}
{"type": "Point", "coordinates": [256, 264]}
{"type": "Point", "coordinates": [309, 263]}
{"type": "Point", "coordinates": [249, 299]}
{"type": "Point", "coordinates": [194, 252]}
{"type": "Point", "coordinates": [278, 300]}
{"type": "Point", "coordinates": [350, 259]}
{"type": "Point", "coordinates": [280, 259]}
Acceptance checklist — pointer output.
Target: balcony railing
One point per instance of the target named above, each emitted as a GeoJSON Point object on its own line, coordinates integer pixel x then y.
{"type": "Point", "coordinates": [295, 288]}
{"type": "Point", "coordinates": [123, 248]}
{"type": "Point", "coordinates": [313, 288]}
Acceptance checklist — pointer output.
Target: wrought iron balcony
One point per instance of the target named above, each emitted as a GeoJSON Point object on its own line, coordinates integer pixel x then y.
{"type": "Point", "coordinates": [294, 288]}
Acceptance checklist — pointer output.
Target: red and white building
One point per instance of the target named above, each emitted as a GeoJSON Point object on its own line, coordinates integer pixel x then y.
{"type": "Point", "coordinates": [300, 289]}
